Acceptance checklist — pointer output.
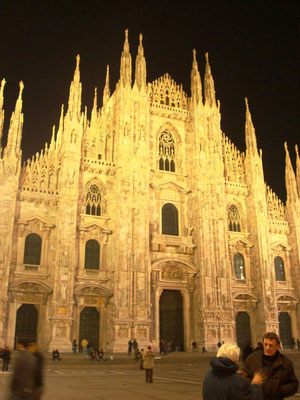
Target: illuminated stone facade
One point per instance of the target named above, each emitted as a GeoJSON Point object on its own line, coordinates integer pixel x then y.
{"type": "Point", "coordinates": [160, 199]}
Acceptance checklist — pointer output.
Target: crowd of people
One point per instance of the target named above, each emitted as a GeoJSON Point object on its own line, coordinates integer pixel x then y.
{"type": "Point", "coordinates": [266, 374]}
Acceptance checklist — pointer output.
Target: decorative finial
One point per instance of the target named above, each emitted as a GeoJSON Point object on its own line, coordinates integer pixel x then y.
{"type": "Point", "coordinates": [296, 149]}
{"type": "Point", "coordinates": [21, 84]}
{"type": "Point", "coordinates": [77, 60]}
{"type": "Point", "coordinates": [126, 35]}
{"type": "Point", "coordinates": [194, 55]}
{"type": "Point", "coordinates": [141, 39]}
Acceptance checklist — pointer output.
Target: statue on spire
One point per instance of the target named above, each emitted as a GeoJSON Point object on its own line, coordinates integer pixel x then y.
{"type": "Point", "coordinates": [196, 86]}
{"type": "Point", "coordinates": [125, 68]}
{"type": "Point", "coordinates": [209, 86]}
{"type": "Point", "coordinates": [106, 91]}
{"type": "Point", "coordinates": [140, 65]}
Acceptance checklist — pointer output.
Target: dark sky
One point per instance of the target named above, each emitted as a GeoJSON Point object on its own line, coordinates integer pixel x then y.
{"type": "Point", "coordinates": [253, 48]}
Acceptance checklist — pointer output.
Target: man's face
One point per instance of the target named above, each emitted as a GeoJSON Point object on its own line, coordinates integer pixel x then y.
{"type": "Point", "coordinates": [270, 347]}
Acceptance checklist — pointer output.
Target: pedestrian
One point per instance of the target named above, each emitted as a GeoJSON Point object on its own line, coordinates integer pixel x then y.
{"type": "Point", "coordinates": [24, 375]}
{"type": "Point", "coordinates": [93, 355]}
{"type": "Point", "coordinates": [204, 349]}
{"type": "Point", "coordinates": [39, 381]}
{"type": "Point", "coordinates": [194, 345]}
{"type": "Point", "coordinates": [5, 358]}
{"type": "Point", "coordinates": [74, 347]}
{"type": "Point", "coordinates": [247, 350]}
{"type": "Point", "coordinates": [148, 364]}
{"type": "Point", "coordinates": [280, 381]}
{"type": "Point", "coordinates": [298, 344]}
{"type": "Point", "coordinates": [219, 344]}
{"type": "Point", "coordinates": [293, 344]}
{"type": "Point", "coordinates": [130, 342]}
{"type": "Point", "coordinates": [134, 346]}
{"type": "Point", "coordinates": [90, 347]}
{"type": "Point", "coordinates": [84, 344]}
{"type": "Point", "coordinates": [55, 355]}
{"type": "Point", "coordinates": [141, 360]}
{"type": "Point", "coordinates": [161, 347]}
{"type": "Point", "coordinates": [223, 382]}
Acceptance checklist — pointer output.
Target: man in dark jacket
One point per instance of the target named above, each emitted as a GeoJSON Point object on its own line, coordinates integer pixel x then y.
{"type": "Point", "coordinates": [223, 382]}
{"type": "Point", "coordinates": [280, 380]}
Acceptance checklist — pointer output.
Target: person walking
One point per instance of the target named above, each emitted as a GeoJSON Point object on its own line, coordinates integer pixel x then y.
{"type": "Point", "coordinates": [5, 358]}
{"type": "Point", "coordinates": [74, 347]}
{"type": "Point", "coordinates": [39, 380]}
{"type": "Point", "coordinates": [23, 380]}
{"type": "Point", "coordinates": [130, 342]}
{"type": "Point", "coordinates": [55, 355]}
{"type": "Point", "coordinates": [84, 344]}
{"type": "Point", "coordinates": [223, 382]}
{"type": "Point", "coordinates": [280, 379]}
{"type": "Point", "coordinates": [148, 364]}
{"type": "Point", "coordinates": [141, 360]}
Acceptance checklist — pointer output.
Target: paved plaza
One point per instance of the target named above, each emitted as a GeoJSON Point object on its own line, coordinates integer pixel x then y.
{"type": "Point", "coordinates": [175, 378]}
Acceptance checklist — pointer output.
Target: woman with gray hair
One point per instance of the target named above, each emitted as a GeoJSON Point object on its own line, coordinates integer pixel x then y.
{"type": "Point", "coordinates": [224, 382]}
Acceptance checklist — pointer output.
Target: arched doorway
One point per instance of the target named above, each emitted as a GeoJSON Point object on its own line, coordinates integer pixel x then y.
{"type": "Point", "coordinates": [285, 330]}
{"type": "Point", "coordinates": [243, 330]}
{"type": "Point", "coordinates": [89, 326]}
{"type": "Point", "coordinates": [26, 323]}
{"type": "Point", "coordinates": [171, 317]}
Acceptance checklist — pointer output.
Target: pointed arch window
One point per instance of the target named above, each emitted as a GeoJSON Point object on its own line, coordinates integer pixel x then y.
{"type": "Point", "coordinates": [166, 152]}
{"type": "Point", "coordinates": [93, 200]}
{"type": "Point", "coordinates": [279, 269]}
{"type": "Point", "coordinates": [32, 252]}
{"type": "Point", "coordinates": [239, 266]}
{"type": "Point", "coordinates": [169, 220]}
{"type": "Point", "coordinates": [234, 219]}
{"type": "Point", "coordinates": [92, 254]}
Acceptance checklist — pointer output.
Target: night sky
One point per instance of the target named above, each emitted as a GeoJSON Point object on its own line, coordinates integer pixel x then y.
{"type": "Point", "coordinates": [253, 49]}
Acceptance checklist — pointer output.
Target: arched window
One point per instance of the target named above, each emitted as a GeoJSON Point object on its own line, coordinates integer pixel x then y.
{"type": "Point", "coordinates": [32, 252]}
{"type": "Point", "coordinates": [169, 220]}
{"type": "Point", "coordinates": [92, 254]}
{"type": "Point", "coordinates": [234, 220]}
{"type": "Point", "coordinates": [166, 152]}
{"type": "Point", "coordinates": [93, 201]}
{"type": "Point", "coordinates": [239, 266]}
{"type": "Point", "coordinates": [279, 269]}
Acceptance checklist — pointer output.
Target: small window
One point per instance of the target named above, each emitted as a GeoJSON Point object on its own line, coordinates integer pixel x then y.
{"type": "Point", "coordinates": [32, 252]}
{"type": "Point", "coordinates": [234, 223]}
{"type": "Point", "coordinates": [279, 269]}
{"type": "Point", "coordinates": [166, 152]}
{"type": "Point", "coordinates": [239, 266]}
{"type": "Point", "coordinates": [93, 201]}
{"type": "Point", "coordinates": [92, 254]}
{"type": "Point", "coordinates": [169, 220]}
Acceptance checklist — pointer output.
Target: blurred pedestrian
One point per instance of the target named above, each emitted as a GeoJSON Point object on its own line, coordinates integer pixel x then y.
{"type": "Point", "coordinates": [74, 347]}
{"type": "Point", "coordinates": [84, 344]}
{"type": "Point", "coordinates": [141, 360]}
{"type": "Point", "coordinates": [148, 364]}
{"type": "Point", "coordinates": [39, 380]}
{"type": "Point", "coordinates": [259, 347]}
{"type": "Point", "coordinates": [223, 382]}
{"type": "Point", "coordinates": [24, 375]}
{"type": "Point", "coordinates": [130, 342]}
{"type": "Point", "coordinates": [247, 350]}
{"type": "Point", "coordinates": [5, 358]}
{"type": "Point", "coordinates": [194, 345]}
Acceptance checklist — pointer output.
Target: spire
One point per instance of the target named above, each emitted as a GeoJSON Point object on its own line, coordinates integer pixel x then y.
{"type": "Point", "coordinates": [95, 108]}
{"type": "Point", "coordinates": [209, 86]}
{"type": "Point", "coordinates": [106, 91]}
{"type": "Point", "coordinates": [251, 144]}
{"type": "Point", "coordinates": [52, 142]}
{"type": "Point", "coordinates": [290, 179]}
{"type": "Point", "coordinates": [140, 65]}
{"type": "Point", "coordinates": [60, 126]}
{"type": "Point", "coordinates": [125, 68]}
{"type": "Point", "coordinates": [74, 106]}
{"type": "Point", "coordinates": [297, 169]}
{"type": "Point", "coordinates": [15, 128]}
{"type": "Point", "coordinates": [196, 87]}
{"type": "Point", "coordinates": [1, 111]}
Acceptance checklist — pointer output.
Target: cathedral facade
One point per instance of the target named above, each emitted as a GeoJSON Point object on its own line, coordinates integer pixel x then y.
{"type": "Point", "coordinates": [145, 221]}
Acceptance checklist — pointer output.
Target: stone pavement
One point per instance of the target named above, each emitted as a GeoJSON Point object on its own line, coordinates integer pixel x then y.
{"type": "Point", "coordinates": [178, 376]}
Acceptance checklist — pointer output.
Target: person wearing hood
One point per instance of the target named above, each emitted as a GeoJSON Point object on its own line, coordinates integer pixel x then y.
{"type": "Point", "coordinates": [224, 382]}
{"type": "Point", "coordinates": [148, 364]}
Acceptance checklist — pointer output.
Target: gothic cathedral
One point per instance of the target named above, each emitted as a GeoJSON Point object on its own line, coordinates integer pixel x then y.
{"type": "Point", "coordinates": [145, 221]}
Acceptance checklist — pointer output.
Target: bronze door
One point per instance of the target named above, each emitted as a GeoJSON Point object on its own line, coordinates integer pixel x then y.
{"type": "Point", "coordinates": [285, 331]}
{"type": "Point", "coordinates": [243, 330]}
{"type": "Point", "coordinates": [89, 326]}
{"type": "Point", "coordinates": [171, 317]}
{"type": "Point", "coordinates": [26, 323]}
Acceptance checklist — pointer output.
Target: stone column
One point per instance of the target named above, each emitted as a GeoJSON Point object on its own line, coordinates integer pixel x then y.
{"type": "Point", "coordinates": [186, 318]}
